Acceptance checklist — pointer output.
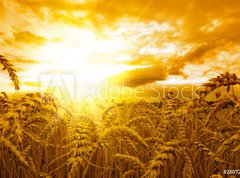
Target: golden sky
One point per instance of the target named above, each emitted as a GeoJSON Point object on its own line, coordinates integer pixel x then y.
{"type": "Point", "coordinates": [136, 41]}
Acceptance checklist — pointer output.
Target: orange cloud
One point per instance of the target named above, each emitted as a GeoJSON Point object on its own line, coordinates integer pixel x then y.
{"type": "Point", "coordinates": [26, 61]}
{"type": "Point", "coordinates": [29, 38]}
{"type": "Point", "coordinates": [2, 9]}
{"type": "Point", "coordinates": [144, 60]}
{"type": "Point", "coordinates": [52, 4]}
{"type": "Point", "coordinates": [140, 76]}
{"type": "Point", "coordinates": [194, 56]}
{"type": "Point", "coordinates": [201, 29]}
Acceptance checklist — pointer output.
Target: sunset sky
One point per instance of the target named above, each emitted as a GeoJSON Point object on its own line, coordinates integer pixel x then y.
{"type": "Point", "coordinates": [140, 42]}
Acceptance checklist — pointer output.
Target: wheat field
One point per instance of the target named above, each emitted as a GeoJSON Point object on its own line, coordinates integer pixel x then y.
{"type": "Point", "coordinates": [175, 138]}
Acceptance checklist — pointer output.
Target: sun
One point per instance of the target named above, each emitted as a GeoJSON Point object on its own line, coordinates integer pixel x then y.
{"type": "Point", "coordinates": [81, 53]}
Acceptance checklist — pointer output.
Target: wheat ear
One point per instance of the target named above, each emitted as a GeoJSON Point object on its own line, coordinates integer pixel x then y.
{"type": "Point", "coordinates": [11, 71]}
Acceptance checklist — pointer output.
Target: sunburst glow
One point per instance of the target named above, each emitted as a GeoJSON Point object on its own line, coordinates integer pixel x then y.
{"type": "Point", "coordinates": [138, 44]}
{"type": "Point", "coordinates": [119, 88]}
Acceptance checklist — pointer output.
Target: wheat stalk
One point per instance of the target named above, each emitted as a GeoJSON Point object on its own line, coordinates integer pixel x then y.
{"type": "Point", "coordinates": [11, 71]}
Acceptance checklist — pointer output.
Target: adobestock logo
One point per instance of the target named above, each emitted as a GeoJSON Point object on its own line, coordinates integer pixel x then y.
{"type": "Point", "coordinates": [68, 89]}
{"type": "Point", "coordinates": [60, 85]}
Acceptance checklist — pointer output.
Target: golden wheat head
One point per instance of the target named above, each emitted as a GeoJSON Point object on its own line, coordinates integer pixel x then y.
{"type": "Point", "coordinates": [11, 71]}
